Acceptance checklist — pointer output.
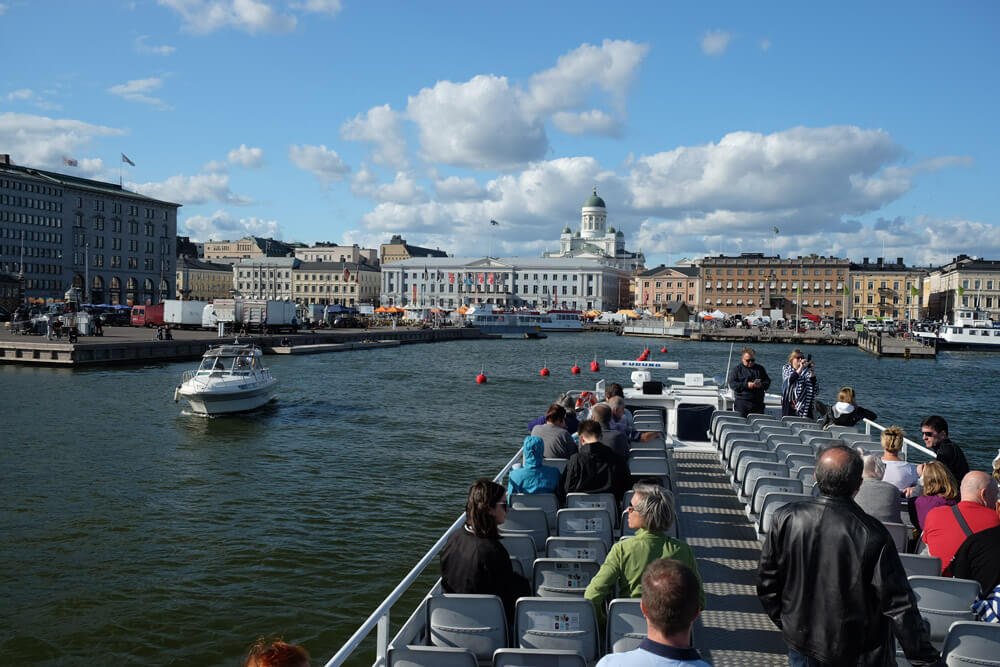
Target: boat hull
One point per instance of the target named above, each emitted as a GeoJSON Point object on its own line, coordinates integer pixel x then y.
{"type": "Point", "coordinates": [944, 344]}
{"type": "Point", "coordinates": [228, 401]}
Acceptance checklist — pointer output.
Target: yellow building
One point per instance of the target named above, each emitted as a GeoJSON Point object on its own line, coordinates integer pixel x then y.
{"type": "Point", "coordinates": [251, 247]}
{"type": "Point", "coordinates": [346, 283]}
{"type": "Point", "coordinates": [203, 281]}
{"type": "Point", "coordinates": [887, 291]}
{"type": "Point", "coordinates": [397, 248]}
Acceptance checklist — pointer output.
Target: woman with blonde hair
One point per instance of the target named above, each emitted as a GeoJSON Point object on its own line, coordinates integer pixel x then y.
{"type": "Point", "coordinates": [898, 472]}
{"type": "Point", "coordinates": [846, 411]}
{"type": "Point", "coordinates": [940, 488]}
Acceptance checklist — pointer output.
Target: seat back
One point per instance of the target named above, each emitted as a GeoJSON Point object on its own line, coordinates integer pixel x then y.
{"type": "Point", "coordinates": [529, 522]}
{"type": "Point", "coordinates": [430, 656]}
{"type": "Point", "coordinates": [795, 462]}
{"type": "Point", "coordinates": [562, 624]}
{"type": "Point", "coordinates": [838, 431]}
{"type": "Point", "coordinates": [739, 471]}
{"type": "Point", "coordinates": [807, 472]}
{"type": "Point", "coordinates": [522, 549]}
{"type": "Point", "coordinates": [774, 440]}
{"type": "Point", "coordinates": [766, 430]}
{"type": "Point", "coordinates": [604, 501]}
{"type": "Point", "coordinates": [806, 433]}
{"type": "Point", "coordinates": [898, 532]}
{"type": "Point", "coordinates": [973, 644]}
{"type": "Point", "coordinates": [784, 449]}
{"type": "Point", "coordinates": [920, 565]}
{"type": "Point", "coordinates": [547, 502]}
{"type": "Point", "coordinates": [583, 522]}
{"type": "Point", "coordinates": [772, 502]}
{"type": "Point", "coordinates": [524, 657]}
{"type": "Point", "coordinates": [716, 428]}
{"type": "Point", "coordinates": [793, 419]}
{"type": "Point", "coordinates": [729, 437]}
{"type": "Point", "coordinates": [740, 446]}
{"type": "Point", "coordinates": [639, 451]}
{"type": "Point", "coordinates": [730, 430]}
{"type": "Point", "coordinates": [803, 424]}
{"type": "Point", "coordinates": [942, 601]}
{"type": "Point", "coordinates": [556, 463]}
{"type": "Point", "coordinates": [654, 468]}
{"type": "Point", "coordinates": [758, 469]}
{"type": "Point", "coordinates": [819, 442]}
{"type": "Point", "coordinates": [477, 623]}
{"type": "Point", "coordinates": [766, 485]}
{"type": "Point", "coordinates": [851, 439]}
{"type": "Point", "coordinates": [757, 417]}
{"type": "Point", "coordinates": [562, 577]}
{"type": "Point", "coordinates": [626, 625]}
{"type": "Point", "coordinates": [580, 548]}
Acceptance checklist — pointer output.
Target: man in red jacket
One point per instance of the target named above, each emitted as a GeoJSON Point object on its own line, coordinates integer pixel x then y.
{"type": "Point", "coordinates": [947, 527]}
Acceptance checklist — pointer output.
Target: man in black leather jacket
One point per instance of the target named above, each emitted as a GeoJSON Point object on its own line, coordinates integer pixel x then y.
{"type": "Point", "coordinates": [831, 579]}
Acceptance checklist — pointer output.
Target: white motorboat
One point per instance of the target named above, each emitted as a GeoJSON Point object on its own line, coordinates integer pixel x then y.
{"type": "Point", "coordinates": [970, 329]}
{"type": "Point", "coordinates": [231, 378]}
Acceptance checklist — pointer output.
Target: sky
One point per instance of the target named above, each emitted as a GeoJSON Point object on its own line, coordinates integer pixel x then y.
{"type": "Point", "coordinates": [854, 129]}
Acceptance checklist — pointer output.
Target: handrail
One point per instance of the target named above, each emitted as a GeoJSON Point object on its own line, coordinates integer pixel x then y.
{"type": "Point", "coordinates": [906, 441]}
{"type": "Point", "coordinates": [380, 617]}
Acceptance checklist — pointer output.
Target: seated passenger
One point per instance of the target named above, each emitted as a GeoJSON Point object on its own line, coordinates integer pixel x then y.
{"type": "Point", "coordinates": [940, 488]}
{"type": "Point", "coordinates": [651, 514]}
{"type": "Point", "coordinates": [595, 468]}
{"type": "Point", "coordinates": [877, 498]}
{"type": "Point", "coordinates": [614, 440]}
{"type": "Point", "coordinates": [668, 603]}
{"type": "Point", "coordinates": [276, 653]}
{"type": "Point", "coordinates": [977, 559]}
{"type": "Point", "coordinates": [944, 534]}
{"type": "Point", "coordinates": [474, 560]}
{"type": "Point", "coordinates": [567, 403]}
{"type": "Point", "coordinates": [846, 411]}
{"type": "Point", "coordinates": [898, 472]}
{"type": "Point", "coordinates": [533, 477]}
{"type": "Point", "coordinates": [559, 444]}
{"type": "Point", "coordinates": [621, 420]}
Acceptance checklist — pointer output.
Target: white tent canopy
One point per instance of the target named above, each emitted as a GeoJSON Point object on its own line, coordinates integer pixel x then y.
{"type": "Point", "coordinates": [718, 314]}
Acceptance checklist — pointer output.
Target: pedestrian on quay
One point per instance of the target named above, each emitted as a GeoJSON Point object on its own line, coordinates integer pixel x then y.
{"type": "Point", "coordinates": [934, 430]}
{"type": "Point", "coordinates": [749, 381]}
{"type": "Point", "coordinates": [798, 385]}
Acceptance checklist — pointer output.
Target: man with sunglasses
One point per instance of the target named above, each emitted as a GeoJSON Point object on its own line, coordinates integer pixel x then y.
{"type": "Point", "coordinates": [934, 430]}
{"type": "Point", "coordinates": [748, 381]}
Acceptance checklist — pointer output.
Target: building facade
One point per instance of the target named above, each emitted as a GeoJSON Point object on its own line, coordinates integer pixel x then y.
{"type": "Point", "coordinates": [346, 283]}
{"type": "Point", "coordinates": [888, 291]}
{"type": "Point", "coordinates": [61, 231]}
{"type": "Point", "coordinates": [965, 282]}
{"type": "Point", "coordinates": [667, 283]}
{"type": "Point", "coordinates": [203, 281]}
{"type": "Point", "coordinates": [250, 247]}
{"type": "Point", "coordinates": [512, 282]}
{"type": "Point", "coordinates": [331, 252]}
{"type": "Point", "coordinates": [752, 281]}
{"type": "Point", "coordinates": [398, 249]}
{"type": "Point", "coordinates": [265, 278]}
{"type": "Point", "coordinates": [595, 240]}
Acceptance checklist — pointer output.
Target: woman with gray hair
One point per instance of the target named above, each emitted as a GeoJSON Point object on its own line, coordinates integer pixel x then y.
{"type": "Point", "coordinates": [651, 514]}
{"type": "Point", "coordinates": [877, 498]}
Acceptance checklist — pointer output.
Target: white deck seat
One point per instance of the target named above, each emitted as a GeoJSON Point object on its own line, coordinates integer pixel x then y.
{"type": "Point", "coordinates": [556, 463]}
{"type": "Point", "coordinates": [766, 485]}
{"type": "Point", "coordinates": [754, 471]}
{"type": "Point", "coordinates": [586, 523]}
{"type": "Point", "coordinates": [806, 433]}
{"type": "Point", "coordinates": [943, 601]}
{"type": "Point", "coordinates": [741, 446]}
{"type": "Point", "coordinates": [530, 522]}
{"type": "Point", "coordinates": [765, 430]}
{"type": "Point", "coordinates": [581, 548]}
{"type": "Point", "coordinates": [898, 532]}
{"type": "Point", "coordinates": [647, 452]}
{"type": "Point", "coordinates": [547, 502]}
{"type": "Point", "coordinates": [774, 440]}
{"type": "Point", "coordinates": [819, 443]}
{"type": "Point", "coordinates": [796, 462]}
{"type": "Point", "coordinates": [922, 566]}
{"type": "Point", "coordinates": [718, 415]}
{"type": "Point", "coordinates": [604, 501]}
{"type": "Point", "coordinates": [757, 417]}
{"type": "Point", "coordinates": [727, 451]}
{"type": "Point", "coordinates": [562, 577]}
{"type": "Point", "coordinates": [772, 502]}
{"type": "Point", "coordinates": [716, 429]}
{"type": "Point", "coordinates": [744, 459]}
{"type": "Point", "coordinates": [973, 644]}
{"type": "Point", "coordinates": [561, 624]}
{"type": "Point", "coordinates": [851, 438]}
{"type": "Point", "coordinates": [653, 467]}
{"type": "Point", "coordinates": [786, 448]}
{"type": "Point", "coordinates": [802, 425]}
{"type": "Point", "coordinates": [838, 431]}
{"type": "Point", "coordinates": [522, 549]}
{"type": "Point", "coordinates": [522, 657]}
{"type": "Point", "coordinates": [477, 623]}
{"type": "Point", "coordinates": [793, 419]}
{"type": "Point", "coordinates": [728, 435]}
{"type": "Point", "coordinates": [626, 625]}
{"type": "Point", "coordinates": [430, 656]}
{"type": "Point", "coordinates": [806, 472]}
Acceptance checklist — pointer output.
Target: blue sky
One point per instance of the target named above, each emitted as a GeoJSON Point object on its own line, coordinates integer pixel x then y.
{"type": "Point", "coordinates": [850, 127]}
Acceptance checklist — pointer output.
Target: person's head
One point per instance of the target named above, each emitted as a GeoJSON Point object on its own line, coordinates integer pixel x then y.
{"type": "Point", "coordinates": [748, 356]}
{"type": "Point", "coordinates": [846, 395]}
{"type": "Point", "coordinates": [934, 430]}
{"type": "Point", "coordinates": [590, 431]}
{"type": "Point", "coordinates": [602, 413]}
{"type": "Point", "coordinates": [670, 592]}
{"type": "Point", "coordinates": [567, 402]}
{"type": "Point", "coordinates": [534, 451]}
{"type": "Point", "coordinates": [979, 488]}
{"type": "Point", "coordinates": [652, 508]}
{"type": "Point", "coordinates": [486, 508]}
{"type": "Point", "coordinates": [838, 471]}
{"type": "Point", "coordinates": [556, 414]}
{"type": "Point", "coordinates": [614, 389]}
{"type": "Point", "coordinates": [892, 439]}
{"type": "Point", "coordinates": [794, 355]}
{"type": "Point", "coordinates": [271, 652]}
{"type": "Point", "coordinates": [617, 405]}
{"type": "Point", "coordinates": [938, 481]}
{"type": "Point", "coordinates": [874, 468]}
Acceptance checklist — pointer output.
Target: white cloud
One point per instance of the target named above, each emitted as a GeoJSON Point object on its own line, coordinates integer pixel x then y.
{"type": "Point", "coordinates": [188, 190]}
{"type": "Point", "coordinates": [141, 47]}
{"type": "Point", "coordinates": [214, 166]}
{"type": "Point", "coordinates": [324, 163]}
{"type": "Point", "coordinates": [383, 129]}
{"type": "Point", "coordinates": [250, 16]}
{"type": "Point", "coordinates": [455, 188]}
{"type": "Point", "coordinates": [714, 42]}
{"type": "Point", "coordinates": [3, 9]}
{"type": "Point", "coordinates": [765, 44]}
{"type": "Point", "coordinates": [137, 90]}
{"type": "Point", "coordinates": [223, 226]}
{"type": "Point", "coordinates": [403, 190]}
{"type": "Point", "coordinates": [39, 141]}
{"type": "Point", "coordinates": [594, 121]}
{"type": "Point", "coordinates": [22, 94]}
{"type": "Point", "coordinates": [32, 97]}
{"type": "Point", "coordinates": [251, 158]}
{"type": "Point", "coordinates": [328, 7]}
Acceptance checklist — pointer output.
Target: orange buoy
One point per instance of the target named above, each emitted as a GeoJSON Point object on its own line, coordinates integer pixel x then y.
{"type": "Point", "coordinates": [575, 370]}
{"type": "Point", "coordinates": [663, 350]}
{"type": "Point", "coordinates": [594, 366]}
{"type": "Point", "coordinates": [481, 379]}
{"type": "Point", "coordinates": [544, 372]}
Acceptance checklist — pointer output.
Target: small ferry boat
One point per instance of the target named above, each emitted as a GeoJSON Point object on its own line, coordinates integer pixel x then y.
{"type": "Point", "coordinates": [506, 323]}
{"type": "Point", "coordinates": [231, 378]}
{"type": "Point", "coordinates": [562, 320]}
{"type": "Point", "coordinates": [970, 329]}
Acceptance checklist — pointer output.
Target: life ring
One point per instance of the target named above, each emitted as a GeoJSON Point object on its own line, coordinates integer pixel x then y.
{"type": "Point", "coordinates": [586, 401]}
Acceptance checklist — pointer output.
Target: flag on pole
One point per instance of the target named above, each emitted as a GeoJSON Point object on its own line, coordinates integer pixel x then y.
{"type": "Point", "coordinates": [451, 278]}
{"type": "Point", "coordinates": [798, 290]}
{"type": "Point", "coordinates": [775, 230]}
{"type": "Point", "coordinates": [69, 162]}
{"type": "Point", "coordinates": [426, 276]}
{"type": "Point", "coordinates": [914, 291]}
{"type": "Point", "coordinates": [494, 223]}
{"type": "Point", "coordinates": [846, 291]}
{"type": "Point", "coordinates": [347, 274]}
{"type": "Point", "coordinates": [125, 159]}
{"type": "Point", "coordinates": [961, 290]}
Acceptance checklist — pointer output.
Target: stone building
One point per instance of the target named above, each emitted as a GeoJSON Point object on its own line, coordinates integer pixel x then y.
{"type": "Point", "coordinates": [663, 284]}
{"type": "Point", "coordinates": [203, 281]}
{"type": "Point", "coordinates": [346, 283]}
{"type": "Point", "coordinates": [595, 240]}
{"type": "Point", "coordinates": [964, 282]}
{"type": "Point", "coordinates": [889, 291]}
{"type": "Point", "coordinates": [265, 278]}
{"type": "Point", "coordinates": [398, 249]}
{"type": "Point", "coordinates": [331, 252]}
{"type": "Point", "coordinates": [249, 247]}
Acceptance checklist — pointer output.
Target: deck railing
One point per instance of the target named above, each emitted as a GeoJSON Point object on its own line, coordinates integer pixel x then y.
{"type": "Point", "coordinates": [380, 617]}
{"type": "Point", "coordinates": [907, 443]}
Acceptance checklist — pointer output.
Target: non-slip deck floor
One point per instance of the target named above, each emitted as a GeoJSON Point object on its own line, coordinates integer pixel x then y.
{"type": "Point", "coordinates": [733, 629]}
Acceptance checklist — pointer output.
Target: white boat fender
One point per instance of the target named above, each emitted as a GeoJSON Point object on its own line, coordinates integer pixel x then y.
{"type": "Point", "coordinates": [177, 393]}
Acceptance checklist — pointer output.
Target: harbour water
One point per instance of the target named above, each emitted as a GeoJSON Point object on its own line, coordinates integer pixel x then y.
{"type": "Point", "coordinates": [136, 534]}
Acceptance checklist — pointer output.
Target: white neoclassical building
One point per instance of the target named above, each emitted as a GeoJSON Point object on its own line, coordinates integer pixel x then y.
{"type": "Point", "coordinates": [595, 240]}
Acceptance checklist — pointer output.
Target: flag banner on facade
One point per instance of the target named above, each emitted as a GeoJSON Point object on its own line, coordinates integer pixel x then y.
{"type": "Point", "coordinates": [414, 294]}
{"type": "Point", "coordinates": [347, 274]}
{"type": "Point", "coordinates": [69, 162]}
{"type": "Point", "coordinates": [914, 291]}
{"type": "Point", "coordinates": [481, 277]}
{"type": "Point", "coordinates": [775, 230]}
{"type": "Point", "coordinates": [846, 291]}
{"type": "Point", "coordinates": [494, 223]}
{"type": "Point", "coordinates": [489, 279]}
{"type": "Point", "coordinates": [125, 159]}
{"type": "Point", "coordinates": [961, 290]}
{"type": "Point", "coordinates": [798, 290]}
{"type": "Point", "coordinates": [451, 278]}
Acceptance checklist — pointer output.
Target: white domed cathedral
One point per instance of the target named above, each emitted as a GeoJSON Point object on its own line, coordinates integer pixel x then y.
{"type": "Point", "coordinates": [595, 240]}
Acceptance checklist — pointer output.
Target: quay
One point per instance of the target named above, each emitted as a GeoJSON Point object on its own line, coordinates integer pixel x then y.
{"type": "Point", "coordinates": [881, 345]}
{"type": "Point", "coordinates": [680, 331]}
{"type": "Point", "coordinates": [136, 345]}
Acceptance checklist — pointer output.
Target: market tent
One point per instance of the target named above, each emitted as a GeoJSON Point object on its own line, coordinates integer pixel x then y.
{"type": "Point", "coordinates": [593, 313]}
{"type": "Point", "coordinates": [383, 309]}
{"type": "Point", "coordinates": [631, 314]}
{"type": "Point", "coordinates": [718, 315]}
{"type": "Point", "coordinates": [438, 311]}
{"type": "Point", "coordinates": [462, 310]}
{"type": "Point", "coordinates": [657, 314]}
{"type": "Point", "coordinates": [706, 317]}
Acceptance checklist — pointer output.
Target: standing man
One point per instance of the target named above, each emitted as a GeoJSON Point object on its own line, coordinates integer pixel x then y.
{"type": "Point", "coordinates": [832, 581]}
{"type": "Point", "coordinates": [748, 382]}
{"type": "Point", "coordinates": [934, 430]}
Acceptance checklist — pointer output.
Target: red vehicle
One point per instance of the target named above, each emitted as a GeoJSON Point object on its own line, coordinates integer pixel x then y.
{"type": "Point", "coordinates": [147, 316]}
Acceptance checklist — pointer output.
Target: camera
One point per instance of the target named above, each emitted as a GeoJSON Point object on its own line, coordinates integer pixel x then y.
{"type": "Point", "coordinates": [809, 357]}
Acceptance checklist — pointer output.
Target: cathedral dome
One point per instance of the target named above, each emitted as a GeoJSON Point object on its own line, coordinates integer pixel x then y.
{"type": "Point", "coordinates": [567, 230]}
{"type": "Point", "coordinates": [594, 200]}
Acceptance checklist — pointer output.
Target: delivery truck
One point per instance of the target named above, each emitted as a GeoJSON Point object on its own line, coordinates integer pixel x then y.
{"type": "Point", "coordinates": [183, 314]}
{"type": "Point", "coordinates": [147, 316]}
{"type": "Point", "coordinates": [256, 315]}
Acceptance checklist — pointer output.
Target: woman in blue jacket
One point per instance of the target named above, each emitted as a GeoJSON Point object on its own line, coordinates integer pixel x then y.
{"type": "Point", "coordinates": [533, 477]}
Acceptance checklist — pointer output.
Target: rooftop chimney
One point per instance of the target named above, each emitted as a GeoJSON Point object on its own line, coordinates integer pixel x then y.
{"type": "Point", "coordinates": [865, 261]}
{"type": "Point", "coordinates": [4, 158]}
{"type": "Point", "coordinates": [880, 261]}
{"type": "Point", "coordinates": [899, 260]}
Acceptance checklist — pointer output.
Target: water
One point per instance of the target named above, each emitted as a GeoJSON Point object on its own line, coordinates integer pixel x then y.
{"type": "Point", "coordinates": [136, 534]}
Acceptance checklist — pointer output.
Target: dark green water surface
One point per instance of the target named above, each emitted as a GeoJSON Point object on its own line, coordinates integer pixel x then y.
{"type": "Point", "coordinates": [136, 534]}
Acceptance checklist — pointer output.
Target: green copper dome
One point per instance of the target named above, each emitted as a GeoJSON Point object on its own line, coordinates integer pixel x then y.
{"type": "Point", "coordinates": [594, 200]}
{"type": "Point", "coordinates": [567, 230]}
{"type": "Point", "coordinates": [611, 230]}
{"type": "Point", "coordinates": [621, 233]}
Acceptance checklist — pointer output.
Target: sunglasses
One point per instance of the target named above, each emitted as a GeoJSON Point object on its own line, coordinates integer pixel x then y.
{"type": "Point", "coordinates": [504, 505]}
{"type": "Point", "coordinates": [928, 434]}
